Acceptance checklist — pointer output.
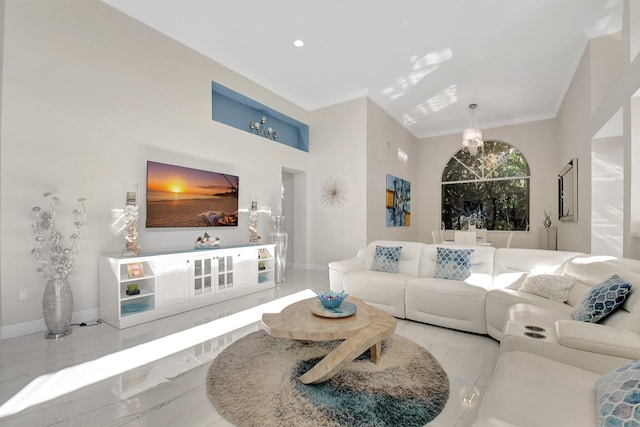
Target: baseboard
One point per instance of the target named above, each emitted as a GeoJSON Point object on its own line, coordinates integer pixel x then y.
{"type": "Point", "coordinates": [34, 326]}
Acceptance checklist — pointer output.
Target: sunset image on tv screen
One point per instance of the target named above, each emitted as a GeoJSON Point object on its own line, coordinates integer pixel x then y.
{"type": "Point", "coordinates": [178, 196]}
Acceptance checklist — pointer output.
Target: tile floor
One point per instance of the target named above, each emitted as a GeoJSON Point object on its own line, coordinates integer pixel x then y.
{"type": "Point", "coordinates": [171, 391]}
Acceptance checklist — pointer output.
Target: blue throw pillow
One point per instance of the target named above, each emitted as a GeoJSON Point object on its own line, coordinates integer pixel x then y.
{"type": "Point", "coordinates": [602, 300]}
{"type": "Point", "coordinates": [386, 259]}
{"type": "Point", "coordinates": [454, 264]}
{"type": "Point", "coordinates": [618, 396]}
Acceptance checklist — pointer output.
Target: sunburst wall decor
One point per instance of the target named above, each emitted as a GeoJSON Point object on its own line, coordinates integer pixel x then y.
{"type": "Point", "coordinates": [334, 192]}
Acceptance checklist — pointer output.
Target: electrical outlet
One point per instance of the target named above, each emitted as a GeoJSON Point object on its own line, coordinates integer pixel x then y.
{"type": "Point", "coordinates": [23, 294]}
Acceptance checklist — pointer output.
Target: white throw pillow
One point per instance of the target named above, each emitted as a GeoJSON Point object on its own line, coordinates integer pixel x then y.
{"type": "Point", "coordinates": [550, 286]}
{"type": "Point", "coordinates": [515, 285]}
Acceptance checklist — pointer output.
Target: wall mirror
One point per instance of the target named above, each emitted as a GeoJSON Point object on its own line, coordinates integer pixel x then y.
{"type": "Point", "coordinates": [568, 192]}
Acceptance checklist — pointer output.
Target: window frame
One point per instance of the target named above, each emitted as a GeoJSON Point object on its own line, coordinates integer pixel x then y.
{"type": "Point", "coordinates": [482, 169]}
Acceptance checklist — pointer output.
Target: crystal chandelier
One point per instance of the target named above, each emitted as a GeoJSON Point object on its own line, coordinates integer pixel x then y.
{"type": "Point", "coordinates": [472, 136]}
{"type": "Point", "coordinates": [260, 128]}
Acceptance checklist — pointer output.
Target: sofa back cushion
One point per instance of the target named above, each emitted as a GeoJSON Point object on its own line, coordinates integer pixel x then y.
{"type": "Point", "coordinates": [386, 259]}
{"type": "Point", "coordinates": [510, 263]}
{"type": "Point", "coordinates": [589, 271]}
{"type": "Point", "coordinates": [453, 264]}
{"type": "Point", "coordinates": [481, 259]}
{"type": "Point", "coordinates": [408, 261]}
{"type": "Point", "coordinates": [602, 300]}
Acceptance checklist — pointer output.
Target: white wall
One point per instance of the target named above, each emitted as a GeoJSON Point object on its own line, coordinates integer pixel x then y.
{"type": "Point", "coordinates": [606, 66]}
{"type": "Point", "coordinates": [384, 137]}
{"type": "Point", "coordinates": [2, 14]}
{"type": "Point", "coordinates": [576, 143]}
{"type": "Point", "coordinates": [633, 157]}
{"type": "Point", "coordinates": [607, 184]}
{"type": "Point", "coordinates": [89, 95]}
{"type": "Point", "coordinates": [538, 141]}
{"type": "Point", "coordinates": [604, 82]}
{"type": "Point", "coordinates": [338, 150]}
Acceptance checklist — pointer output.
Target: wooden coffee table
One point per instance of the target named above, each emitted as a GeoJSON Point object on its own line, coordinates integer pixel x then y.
{"type": "Point", "coordinates": [367, 328]}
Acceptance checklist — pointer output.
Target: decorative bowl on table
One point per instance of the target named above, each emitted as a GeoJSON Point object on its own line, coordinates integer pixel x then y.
{"type": "Point", "coordinates": [331, 299]}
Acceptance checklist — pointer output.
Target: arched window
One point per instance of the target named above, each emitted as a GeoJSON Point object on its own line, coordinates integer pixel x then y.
{"type": "Point", "coordinates": [491, 188]}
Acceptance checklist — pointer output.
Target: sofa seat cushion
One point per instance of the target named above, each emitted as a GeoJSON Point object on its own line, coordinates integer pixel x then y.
{"type": "Point", "coordinates": [381, 290]}
{"type": "Point", "coordinates": [449, 303]}
{"type": "Point", "coordinates": [532, 391]}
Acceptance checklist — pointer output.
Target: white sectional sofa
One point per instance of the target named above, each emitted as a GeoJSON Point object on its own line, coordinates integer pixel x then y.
{"type": "Point", "coordinates": [414, 293]}
{"type": "Point", "coordinates": [527, 390]}
{"type": "Point", "coordinates": [509, 267]}
{"type": "Point", "coordinates": [548, 370]}
{"type": "Point", "coordinates": [565, 365]}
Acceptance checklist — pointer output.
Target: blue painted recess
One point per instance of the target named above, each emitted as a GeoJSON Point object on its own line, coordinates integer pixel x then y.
{"type": "Point", "coordinates": [234, 109]}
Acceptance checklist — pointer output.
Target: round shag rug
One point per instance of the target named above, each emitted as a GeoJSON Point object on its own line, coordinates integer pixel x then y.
{"type": "Point", "coordinates": [254, 382]}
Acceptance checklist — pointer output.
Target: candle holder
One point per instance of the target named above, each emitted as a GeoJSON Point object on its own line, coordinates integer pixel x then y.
{"type": "Point", "coordinates": [254, 210]}
{"type": "Point", "coordinates": [260, 128]}
{"type": "Point", "coordinates": [131, 213]}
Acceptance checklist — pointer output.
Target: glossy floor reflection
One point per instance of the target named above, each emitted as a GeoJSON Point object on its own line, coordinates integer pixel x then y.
{"type": "Point", "coordinates": [171, 391]}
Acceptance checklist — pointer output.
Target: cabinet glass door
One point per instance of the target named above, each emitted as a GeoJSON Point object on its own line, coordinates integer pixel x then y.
{"type": "Point", "coordinates": [197, 277]}
{"type": "Point", "coordinates": [202, 272]}
{"type": "Point", "coordinates": [225, 272]}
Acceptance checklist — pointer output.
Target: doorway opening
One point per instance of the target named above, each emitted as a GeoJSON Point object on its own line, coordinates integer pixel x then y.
{"type": "Point", "coordinates": [294, 202]}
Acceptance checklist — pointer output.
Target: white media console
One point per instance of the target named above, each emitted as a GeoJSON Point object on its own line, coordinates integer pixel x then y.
{"type": "Point", "coordinates": [139, 289]}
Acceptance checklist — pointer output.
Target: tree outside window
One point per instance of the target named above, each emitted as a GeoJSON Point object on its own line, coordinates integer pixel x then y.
{"type": "Point", "coordinates": [490, 188]}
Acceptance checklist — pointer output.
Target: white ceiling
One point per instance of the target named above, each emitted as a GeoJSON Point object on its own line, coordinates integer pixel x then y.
{"type": "Point", "coordinates": [422, 61]}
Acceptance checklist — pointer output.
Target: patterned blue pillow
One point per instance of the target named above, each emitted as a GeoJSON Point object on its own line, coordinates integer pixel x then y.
{"type": "Point", "coordinates": [618, 396]}
{"type": "Point", "coordinates": [454, 264]}
{"type": "Point", "coordinates": [602, 300]}
{"type": "Point", "coordinates": [386, 259]}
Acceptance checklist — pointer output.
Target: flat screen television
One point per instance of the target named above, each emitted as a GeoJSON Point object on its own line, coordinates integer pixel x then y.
{"type": "Point", "coordinates": [178, 196]}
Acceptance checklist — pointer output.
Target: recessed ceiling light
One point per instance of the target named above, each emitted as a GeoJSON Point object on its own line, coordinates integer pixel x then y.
{"type": "Point", "coordinates": [298, 43]}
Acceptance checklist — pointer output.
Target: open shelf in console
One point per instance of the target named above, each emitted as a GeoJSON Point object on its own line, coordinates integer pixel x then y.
{"type": "Point", "coordinates": [265, 265]}
{"type": "Point", "coordinates": [137, 305]}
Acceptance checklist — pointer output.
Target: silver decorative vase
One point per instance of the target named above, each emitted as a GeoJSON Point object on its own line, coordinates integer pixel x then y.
{"type": "Point", "coordinates": [279, 237]}
{"type": "Point", "coordinates": [57, 308]}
